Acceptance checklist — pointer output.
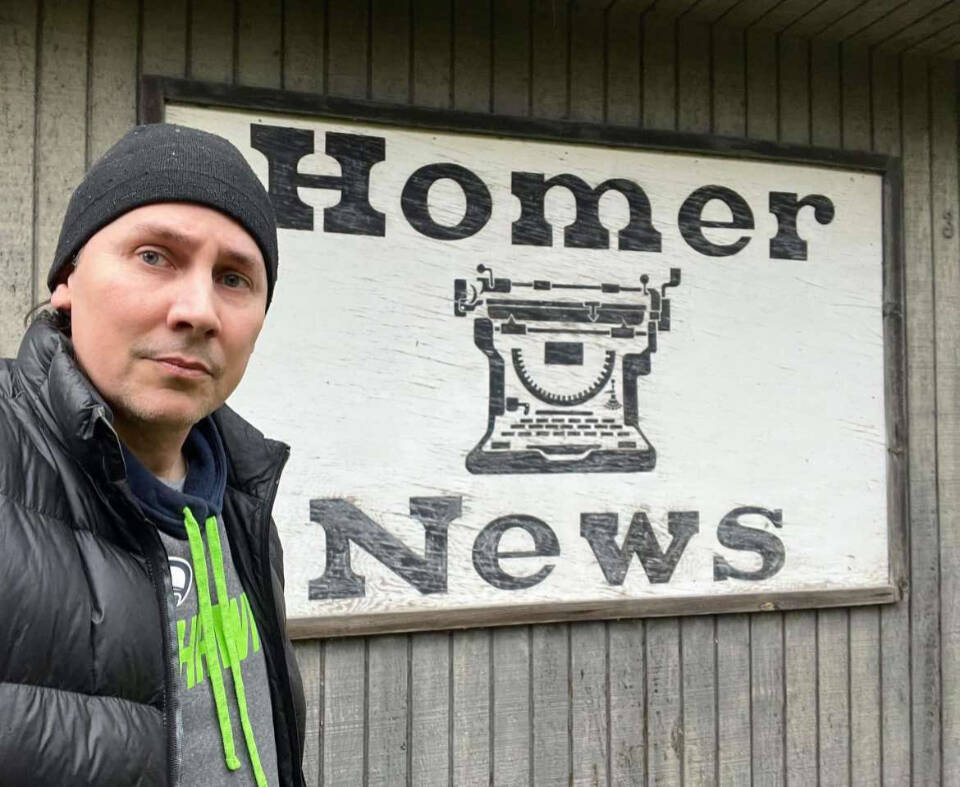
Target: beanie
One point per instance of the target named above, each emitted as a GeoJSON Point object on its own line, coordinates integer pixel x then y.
{"type": "Point", "coordinates": [162, 162]}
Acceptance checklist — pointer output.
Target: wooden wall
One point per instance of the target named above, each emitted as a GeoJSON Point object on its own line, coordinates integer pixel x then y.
{"type": "Point", "coordinates": [863, 696]}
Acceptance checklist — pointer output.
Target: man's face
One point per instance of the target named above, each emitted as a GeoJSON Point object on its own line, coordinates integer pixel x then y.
{"type": "Point", "coordinates": [166, 303]}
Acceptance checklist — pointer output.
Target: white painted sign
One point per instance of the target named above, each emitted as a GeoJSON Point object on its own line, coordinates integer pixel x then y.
{"type": "Point", "coordinates": [518, 373]}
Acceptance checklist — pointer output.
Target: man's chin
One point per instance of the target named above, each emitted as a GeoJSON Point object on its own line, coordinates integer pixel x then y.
{"type": "Point", "coordinates": [163, 414]}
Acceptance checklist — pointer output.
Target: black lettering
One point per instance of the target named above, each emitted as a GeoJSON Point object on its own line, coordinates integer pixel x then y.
{"type": "Point", "coordinates": [487, 554]}
{"type": "Point", "coordinates": [586, 232]}
{"type": "Point", "coordinates": [692, 224]}
{"type": "Point", "coordinates": [600, 530]}
{"type": "Point", "coordinates": [343, 522]}
{"type": "Point", "coordinates": [787, 244]}
{"type": "Point", "coordinates": [413, 202]}
{"type": "Point", "coordinates": [733, 535]}
{"type": "Point", "coordinates": [356, 154]}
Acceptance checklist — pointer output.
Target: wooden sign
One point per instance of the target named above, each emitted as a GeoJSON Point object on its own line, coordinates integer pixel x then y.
{"type": "Point", "coordinates": [537, 372]}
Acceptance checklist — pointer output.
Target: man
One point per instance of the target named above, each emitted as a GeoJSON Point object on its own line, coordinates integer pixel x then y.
{"type": "Point", "coordinates": [142, 627]}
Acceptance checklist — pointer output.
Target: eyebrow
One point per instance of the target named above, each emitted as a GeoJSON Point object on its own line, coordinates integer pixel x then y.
{"type": "Point", "coordinates": [164, 233]}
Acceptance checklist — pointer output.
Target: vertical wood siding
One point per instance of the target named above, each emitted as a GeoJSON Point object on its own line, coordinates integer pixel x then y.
{"type": "Point", "coordinates": [863, 696]}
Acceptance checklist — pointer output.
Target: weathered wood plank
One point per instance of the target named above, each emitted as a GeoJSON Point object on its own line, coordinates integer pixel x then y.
{"type": "Point", "coordinates": [946, 249]}
{"type": "Point", "coordinates": [548, 88]}
{"type": "Point", "coordinates": [348, 41]}
{"type": "Point", "coordinates": [624, 86]}
{"type": "Point", "coordinates": [471, 55]}
{"type": "Point", "coordinates": [693, 77]}
{"type": "Point", "coordinates": [766, 698]}
{"type": "Point", "coordinates": [344, 722]}
{"type": "Point", "coordinates": [18, 76]}
{"type": "Point", "coordinates": [511, 57]}
{"type": "Point", "coordinates": [894, 19]}
{"type": "Point", "coordinates": [390, 52]}
{"type": "Point", "coordinates": [821, 16]}
{"type": "Point", "coordinates": [112, 81]}
{"type": "Point", "coordinates": [664, 709]}
{"type": "Point", "coordinates": [699, 692]}
{"type": "Point", "coordinates": [894, 619]}
{"type": "Point", "coordinates": [659, 71]}
{"type": "Point", "coordinates": [430, 698]}
{"type": "Point", "coordinates": [164, 38]}
{"type": "Point", "coordinates": [729, 114]}
{"type": "Point", "coordinates": [310, 660]}
{"type": "Point", "coordinates": [762, 96]}
{"type": "Point", "coordinates": [511, 705]}
{"type": "Point", "coordinates": [794, 90]}
{"type": "Point", "coordinates": [211, 40]}
{"type": "Point", "coordinates": [855, 97]}
{"type": "Point", "coordinates": [304, 46]}
{"type": "Point", "coordinates": [259, 36]}
{"type": "Point", "coordinates": [470, 746]}
{"type": "Point", "coordinates": [833, 706]}
{"type": "Point", "coordinates": [590, 743]}
{"type": "Point", "coordinates": [858, 19]}
{"type": "Point", "coordinates": [432, 63]}
{"type": "Point", "coordinates": [551, 704]}
{"type": "Point", "coordinates": [709, 11]}
{"type": "Point", "coordinates": [864, 645]}
{"type": "Point", "coordinates": [921, 409]}
{"type": "Point", "coordinates": [826, 128]}
{"type": "Point", "coordinates": [627, 702]}
{"type": "Point", "coordinates": [386, 719]}
{"type": "Point", "coordinates": [744, 15]}
{"type": "Point", "coordinates": [800, 711]}
{"type": "Point", "coordinates": [61, 130]}
{"type": "Point", "coordinates": [587, 41]}
{"type": "Point", "coordinates": [733, 700]}
{"type": "Point", "coordinates": [943, 18]}
{"type": "Point", "coordinates": [865, 752]}
{"type": "Point", "coordinates": [786, 13]}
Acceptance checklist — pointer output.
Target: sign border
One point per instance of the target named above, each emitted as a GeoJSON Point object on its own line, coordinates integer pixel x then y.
{"type": "Point", "coordinates": [156, 91]}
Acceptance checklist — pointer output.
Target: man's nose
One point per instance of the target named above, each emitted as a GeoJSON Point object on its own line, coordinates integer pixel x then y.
{"type": "Point", "coordinates": [194, 304]}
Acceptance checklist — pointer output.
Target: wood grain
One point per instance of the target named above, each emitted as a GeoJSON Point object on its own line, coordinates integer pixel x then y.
{"type": "Point", "coordinates": [922, 408]}
{"type": "Point", "coordinates": [430, 708]}
{"type": "Point", "coordinates": [304, 46]}
{"type": "Point", "coordinates": [112, 79]}
{"type": "Point", "coordinates": [944, 210]}
{"type": "Point", "coordinates": [61, 127]}
{"type": "Point", "coordinates": [550, 685]}
{"type": "Point", "coordinates": [343, 750]}
{"type": "Point", "coordinates": [511, 705]}
{"type": "Point", "coordinates": [211, 41]}
{"type": "Point", "coordinates": [259, 44]}
{"type": "Point", "coordinates": [18, 43]}
{"type": "Point", "coordinates": [470, 738]}
{"type": "Point", "coordinates": [385, 728]}
{"type": "Point", "coordinates": [310, 661]}
{"type": "Point", "coordinates": [589, 741]}
{"type": "Point", "coordinates": [894, 620]}
{"type": "Point", "coordinates": [627, 687]}
{"type": "Point", "coordinates": [164, 38]}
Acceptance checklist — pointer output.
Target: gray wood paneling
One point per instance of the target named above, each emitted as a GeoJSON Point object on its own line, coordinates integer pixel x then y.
{"type": "Point", "coordinates": [862, 696]}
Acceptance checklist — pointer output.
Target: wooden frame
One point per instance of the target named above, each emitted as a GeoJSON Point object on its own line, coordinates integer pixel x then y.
{"type": "Point", "coordinates": [155, 92]}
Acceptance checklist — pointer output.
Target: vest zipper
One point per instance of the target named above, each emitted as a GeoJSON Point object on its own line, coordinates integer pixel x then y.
{"type": "Point", "coordinates": [277, 638]}
{"type": "Point", "coordinates": [160, 577]}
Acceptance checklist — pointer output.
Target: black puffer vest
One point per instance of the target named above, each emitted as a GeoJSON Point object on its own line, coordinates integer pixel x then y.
{"type": "Point", "coordinates": [87, 663]}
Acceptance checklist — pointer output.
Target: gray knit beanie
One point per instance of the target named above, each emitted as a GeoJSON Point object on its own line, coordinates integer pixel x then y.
{"type": "Point", "coordinates": [162, 162]}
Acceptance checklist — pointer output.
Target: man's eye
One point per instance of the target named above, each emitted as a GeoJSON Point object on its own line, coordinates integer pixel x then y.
{"type": "Point", "coordinates": [234, 280]}
{"type": "Point", "coordinates": [150, 257]}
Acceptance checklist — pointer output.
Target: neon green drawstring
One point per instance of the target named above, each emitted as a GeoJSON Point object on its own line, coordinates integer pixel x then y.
{"type": "Point", "coordinates": [230, 633]}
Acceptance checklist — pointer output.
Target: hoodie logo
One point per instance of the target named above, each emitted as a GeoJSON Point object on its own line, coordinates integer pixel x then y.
{"type": "Point", "coordinates": [181, 577]}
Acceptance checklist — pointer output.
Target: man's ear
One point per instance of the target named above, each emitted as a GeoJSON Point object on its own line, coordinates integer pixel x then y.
{"type": "Point", "coordinates": [62, 298]}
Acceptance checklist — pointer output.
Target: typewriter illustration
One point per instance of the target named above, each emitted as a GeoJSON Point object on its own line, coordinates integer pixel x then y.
{"type": "Point", "coordinates": [564, 361]}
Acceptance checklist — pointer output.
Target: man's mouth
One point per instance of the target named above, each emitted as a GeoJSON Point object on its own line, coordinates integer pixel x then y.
{"type": "Point", "coordinates": [181, 366]}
